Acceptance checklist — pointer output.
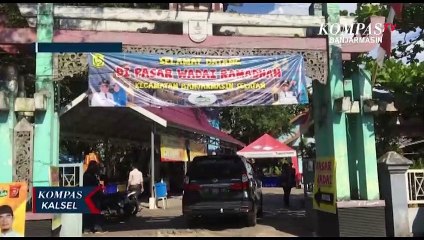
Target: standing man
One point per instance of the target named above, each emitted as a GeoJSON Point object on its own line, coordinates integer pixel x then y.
{"type": "Point", "coordinates": [103, 98]}
{"type": "Point", "coordinates": [6, 222]}
{"type": "Point", "coordinates": [288, 181]}
{"type": "Point", "coordinates": [135, 181]}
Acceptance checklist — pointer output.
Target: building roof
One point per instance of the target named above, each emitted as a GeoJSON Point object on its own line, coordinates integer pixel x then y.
{"type": "Point", "coordinates": [131, 123]}
{"type": "Point", "coordinates": [192, 119]}
{"type": "Point", "coordinates": [301, 117]}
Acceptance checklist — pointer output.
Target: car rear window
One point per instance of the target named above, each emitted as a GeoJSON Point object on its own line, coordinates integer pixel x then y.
{"type": "Point", "coordinates": [216, 168]}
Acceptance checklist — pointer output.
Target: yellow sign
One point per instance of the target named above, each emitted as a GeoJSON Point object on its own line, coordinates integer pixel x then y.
{"type": "Point", "coordinates": [98, 60]}
{"type": "Point", "coordinates": [13, 198]}
{"type": "Point", "coordinates": [325, 185]}
{"type": "Point", "coordinates": [172, 149]}
{"type": "Point", "coordinates": [197, 149]}
{"type": "Point", "coordinates": [57, 221]}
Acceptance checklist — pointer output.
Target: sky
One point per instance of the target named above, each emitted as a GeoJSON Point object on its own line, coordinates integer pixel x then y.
{"type": "Point", "coordinates": [303, 9]}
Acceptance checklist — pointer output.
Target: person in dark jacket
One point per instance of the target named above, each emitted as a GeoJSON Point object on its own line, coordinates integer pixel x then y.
{"type": "Point", "coordinates": [288, 181]}
{"type": "Point", "coordinates": [91, 179]}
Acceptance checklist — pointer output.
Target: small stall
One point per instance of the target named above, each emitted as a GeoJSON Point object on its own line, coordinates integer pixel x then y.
{"type": "Point", "coordinates": [271, 153]}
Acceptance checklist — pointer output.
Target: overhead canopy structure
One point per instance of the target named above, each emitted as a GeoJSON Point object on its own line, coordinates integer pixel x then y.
{"type": "Point", "coordinates": [267, 147]}
{"type": "Point", "coordinates": [132, 123]}
{"type": "Point", "coordinates": [192, 119]}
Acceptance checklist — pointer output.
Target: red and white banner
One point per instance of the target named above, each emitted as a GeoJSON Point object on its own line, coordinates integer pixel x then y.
{"type": "Point", "coordinates": [386, 44]}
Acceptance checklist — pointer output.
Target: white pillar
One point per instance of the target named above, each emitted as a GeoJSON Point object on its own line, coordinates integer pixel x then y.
{"type": "Point", "coordinates": [152, 199]}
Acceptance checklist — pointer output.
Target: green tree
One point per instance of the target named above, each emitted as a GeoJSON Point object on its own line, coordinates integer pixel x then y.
{"type": "Point", "coordinates": [249, 123]}
{"type": "Point", "coordinates": [11, 12]}
{"type": "Point", "coordinates": [404, 81]}
{"type": "Point", "coordinates": [344, 13]}
{"type": "Point", "coordinates": [411, 20]}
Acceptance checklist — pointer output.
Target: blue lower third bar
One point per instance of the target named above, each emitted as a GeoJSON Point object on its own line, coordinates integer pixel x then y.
{"type": "Point", "coordinates": [77, 47]}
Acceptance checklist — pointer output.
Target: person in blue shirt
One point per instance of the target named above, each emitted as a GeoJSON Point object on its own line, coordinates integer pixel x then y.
{"type": "Point", "coordinates": [119, 95]}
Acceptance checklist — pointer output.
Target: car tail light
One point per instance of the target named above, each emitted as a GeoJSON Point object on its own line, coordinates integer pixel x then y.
{"type": "Point", "coordinates": [191, 187]}
{"type": "Point", "coordinates": [241, 186]}
{"type": "Point", "coordinates": [244, 178]}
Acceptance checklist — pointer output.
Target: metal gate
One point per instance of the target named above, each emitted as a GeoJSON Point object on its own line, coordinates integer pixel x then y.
{"type": "Point", "coordinates": [308, 175]}
{"type": "Point", "coordinates": [71, 174]}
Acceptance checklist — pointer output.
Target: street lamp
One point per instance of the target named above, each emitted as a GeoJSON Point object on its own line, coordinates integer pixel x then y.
{"type": "Point", "coordinates": [397, 120]}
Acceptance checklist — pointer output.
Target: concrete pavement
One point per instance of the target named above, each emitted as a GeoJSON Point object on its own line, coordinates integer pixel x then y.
{"type": "Point", "coordinates": [277, 221]}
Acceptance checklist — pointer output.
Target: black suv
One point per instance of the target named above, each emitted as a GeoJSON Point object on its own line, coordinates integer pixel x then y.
{"type": "Point", "coordinates": [222, 185]}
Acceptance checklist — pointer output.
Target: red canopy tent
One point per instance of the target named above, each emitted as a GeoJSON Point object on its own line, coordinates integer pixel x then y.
{"type": "Point", "coordinates": [269, 147]}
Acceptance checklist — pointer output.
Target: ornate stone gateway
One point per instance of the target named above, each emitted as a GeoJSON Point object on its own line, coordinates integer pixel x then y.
{"type": "Point", "coordinates": [23, 153]}
{"type": "Point", "coordinates": [342, 132]}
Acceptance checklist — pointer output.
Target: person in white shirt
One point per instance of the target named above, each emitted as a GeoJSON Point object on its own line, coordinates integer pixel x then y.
{"type": "Point", "coordinates": [135, 181]}
{"type": "Point", "coordinates": [286, 96]}
{"type": "Point", "coordinates": [103, 98]}
{"type": "Point", "coordinates": [6, 222]}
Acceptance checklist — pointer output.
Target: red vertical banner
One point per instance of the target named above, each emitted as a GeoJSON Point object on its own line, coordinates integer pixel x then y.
{"type": "Point", "coordinates": [295, 162]}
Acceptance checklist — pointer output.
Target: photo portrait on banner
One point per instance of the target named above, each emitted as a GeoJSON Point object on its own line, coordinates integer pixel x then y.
{"type": "Point", "coordinates": [13, 199]}
{"type": "Point", "coordinates": [119, 79]}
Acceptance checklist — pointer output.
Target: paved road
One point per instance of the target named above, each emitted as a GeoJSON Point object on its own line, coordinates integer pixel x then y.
{"type": "Point", "coordinates": [277, 221]}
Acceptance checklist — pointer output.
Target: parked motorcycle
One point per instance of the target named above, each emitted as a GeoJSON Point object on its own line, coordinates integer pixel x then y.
{"type": "Point", "coordinates": [120, 205]}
